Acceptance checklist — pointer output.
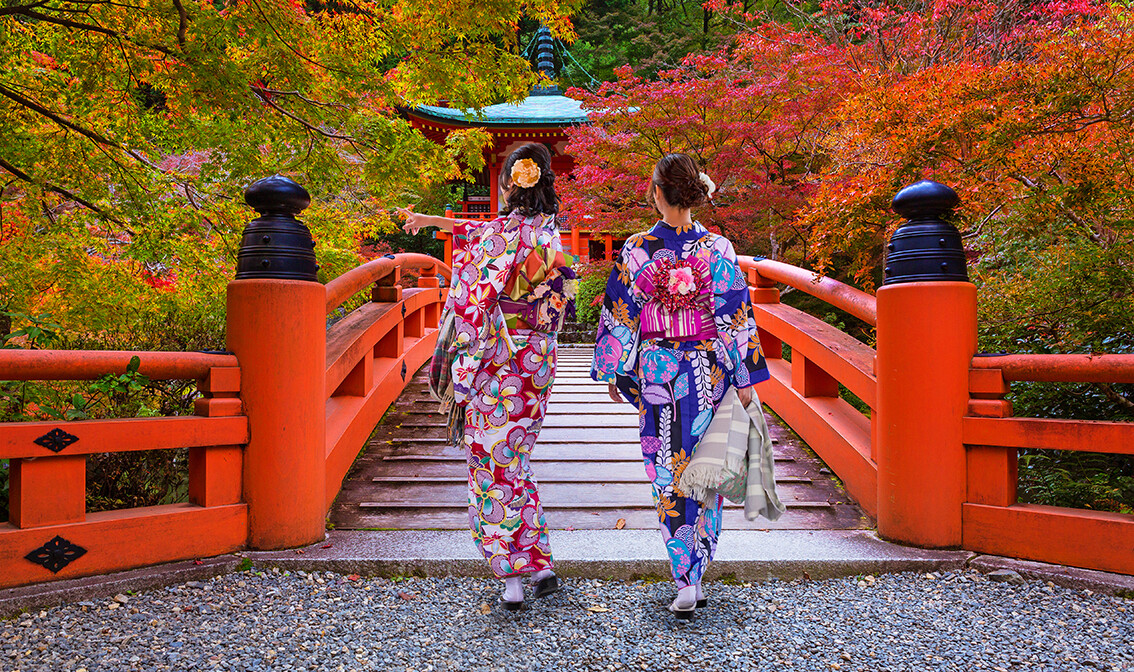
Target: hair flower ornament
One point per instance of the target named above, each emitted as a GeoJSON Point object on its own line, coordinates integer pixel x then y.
{"type": "Point", "coordinates": [709, 184]}
{"type": "Point", "coordinates": [525, 173]}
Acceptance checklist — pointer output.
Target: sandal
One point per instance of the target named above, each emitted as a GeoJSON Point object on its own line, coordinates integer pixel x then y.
{"type": "Point", "coordinates": [546, 586]}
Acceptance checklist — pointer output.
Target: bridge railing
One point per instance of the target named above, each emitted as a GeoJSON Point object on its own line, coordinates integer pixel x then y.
{"type": "Point", "coordinates": [805, 392]}
{"type": "Point", "coordinates": [372, 351]}
{"type": "Point", "coordinates": [279, 421]}
{"type": "Point", "coordinates": [936, 461]}
{"type": "Point", "coordinates": [49, 527]}
{"type": "Point", "coordinates": [992, 519]}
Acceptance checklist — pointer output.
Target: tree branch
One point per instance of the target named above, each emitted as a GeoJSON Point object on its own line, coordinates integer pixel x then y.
{"type": "Point", "coordinates": [1091, 231]}
{"type": "Point", "coordinates": [182, 22]}
{"type": "Point", "coordinates": [19, 99]}
{"type": "Point", "coordinates": [67, 23]}
{"type": "Point", "coordinates": [1114, 396]}
{"type": "Point", "coordinates": [20, 9]}
{"type": "Point", "coordinates": [312, 127]}
{"type": "Point", "coordinates": [63, 192]}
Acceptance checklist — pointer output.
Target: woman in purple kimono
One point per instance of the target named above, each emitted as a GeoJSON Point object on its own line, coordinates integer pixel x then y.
{"type": "Point", "coordinates": [676, 331]}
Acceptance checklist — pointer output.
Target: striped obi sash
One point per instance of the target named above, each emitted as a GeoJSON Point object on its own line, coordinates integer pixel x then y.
{"type": "Point", "coordinates": [680, 300]}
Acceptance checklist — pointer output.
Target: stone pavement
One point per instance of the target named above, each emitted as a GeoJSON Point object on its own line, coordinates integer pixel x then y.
{"type": "Point", "coordinates": [273, 619]}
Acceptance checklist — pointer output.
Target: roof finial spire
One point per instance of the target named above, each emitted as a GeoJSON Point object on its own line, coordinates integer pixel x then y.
{"type": "Point", "coordinates": [545, 61]}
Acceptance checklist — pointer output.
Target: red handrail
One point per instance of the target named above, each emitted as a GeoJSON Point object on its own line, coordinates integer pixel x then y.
{"type": "Point", "coordinates": [844, 297]}
{"type": "Point", "coordinates": [1061, 368]}
{"type": "Point", "coordinates": [355, 280]}
{"type": "Point", "coordinates": [93, 364]}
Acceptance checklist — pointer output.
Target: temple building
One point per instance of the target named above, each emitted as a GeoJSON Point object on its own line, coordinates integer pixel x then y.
{"type": "Point", "coordinates": [544, 116]}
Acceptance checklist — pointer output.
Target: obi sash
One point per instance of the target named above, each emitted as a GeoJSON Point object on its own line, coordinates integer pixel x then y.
{"type": "Point", "coordinates": [679, 305]}
{"type": "Point", "coordinates": [540, 295]}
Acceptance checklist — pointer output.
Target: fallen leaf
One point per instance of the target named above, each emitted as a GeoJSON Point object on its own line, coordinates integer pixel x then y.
{"type": "Point", "coordinates": [569, 529]}
{"type": "Point", "coordinates": [299, 551]}
{"type": "Point", "coordinates": [485, 609]}
{"type": "Point", "coordinates": [353, 577]}
{"type": "Point", "coordinates": [806, 576]}
{"type": "Point", "coordinates": [598, 610]}
{"type": "Point", "coordinates": [407, 596]}
{"type": "Point", "coordinates": [620, 524]}
{"type": "Point", "coordinates": [327, 545]}
{"type": "Point", "coordinates": [198, 562]}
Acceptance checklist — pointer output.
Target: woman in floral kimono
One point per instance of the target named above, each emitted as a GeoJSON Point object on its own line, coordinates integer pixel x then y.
{"type": "Point", "coordinates": [676, 330]}
{"type": "Point", "coordinates": [512, 287]}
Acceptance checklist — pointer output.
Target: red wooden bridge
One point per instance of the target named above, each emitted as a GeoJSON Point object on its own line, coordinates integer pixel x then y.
{"type": "Point", "coordinates": [282, 418]}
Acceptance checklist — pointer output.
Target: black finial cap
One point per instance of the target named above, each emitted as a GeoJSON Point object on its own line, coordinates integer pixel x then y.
{"type": "Point", "coordinates": [276, 245]}
{"type": "Point", "coordinates": [277, 195]}
{"type": "Point", "coordinates": [926, 248]}
{"type": "Point", "coordinates": [925, 200]}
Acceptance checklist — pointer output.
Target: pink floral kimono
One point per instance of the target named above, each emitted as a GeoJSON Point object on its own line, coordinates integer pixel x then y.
{"type": "Point", "coordinates": [502, 374]}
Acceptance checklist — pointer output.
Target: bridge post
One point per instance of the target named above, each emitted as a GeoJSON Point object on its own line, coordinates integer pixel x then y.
{"type": "Point", "coordinates": [926, 342]}
{"type": "Point", "coordinates": [277, 329]}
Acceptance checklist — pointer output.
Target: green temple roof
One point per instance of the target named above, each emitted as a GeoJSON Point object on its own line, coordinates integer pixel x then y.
{"type": "Point", "coordinates": [541, 110]}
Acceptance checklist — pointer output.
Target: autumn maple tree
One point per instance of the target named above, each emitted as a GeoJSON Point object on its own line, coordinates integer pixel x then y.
{"type": "Point", "coordinates": [1024, 108]}
{"type": "Point", "coordinates": [131, 130]}
{"type": "Point", "coordinates": [753, 116]}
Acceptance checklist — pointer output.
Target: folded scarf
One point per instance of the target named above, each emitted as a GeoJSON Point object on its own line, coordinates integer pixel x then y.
{"type": "Point", "coordinates": [734, 459]}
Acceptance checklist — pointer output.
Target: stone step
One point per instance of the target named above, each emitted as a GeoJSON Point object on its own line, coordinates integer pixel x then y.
{"type": "Point", "coordinates": [559, 494]}
{"type": "Point", "coordinates": [836, 517]}
{"type": "Point", "coordinates": [598, 452]}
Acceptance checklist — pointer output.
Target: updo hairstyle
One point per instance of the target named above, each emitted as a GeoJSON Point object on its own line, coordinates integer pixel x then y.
{"type": "Point", "coordinates": [538, 199]}
{"type": "Point", "coordinates": [680, 181]}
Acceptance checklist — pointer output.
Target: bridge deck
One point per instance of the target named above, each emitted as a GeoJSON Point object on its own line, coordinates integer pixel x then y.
{"type": "Point", "coordinates": [587, 461]}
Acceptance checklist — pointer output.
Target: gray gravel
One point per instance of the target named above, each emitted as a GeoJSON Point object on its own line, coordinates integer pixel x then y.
{"type": "Point", "coordinates": [282, 621]}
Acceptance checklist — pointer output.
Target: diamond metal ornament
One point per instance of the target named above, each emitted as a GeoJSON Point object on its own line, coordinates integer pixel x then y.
{"type": "Point", "coordinates": [56, 440]}
{"type": "Point", "coordinates": [403, 371]}
{"type": "Point", "coordinates": [56, 554]}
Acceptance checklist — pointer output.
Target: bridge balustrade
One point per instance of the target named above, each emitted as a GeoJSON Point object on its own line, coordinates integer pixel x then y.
{"type": "Point", "coordinates": [805, 391]}
{"type": "Point", "coordinates": [373, 351]}
{"type": "Point", "coordinates": [993, 521]}
{"type": "Point", "coordinates": [935, 462]}
{"type": "Point", "coordinates": [281, 419]}
{"type": "Point", "coordinates": [49, 533]}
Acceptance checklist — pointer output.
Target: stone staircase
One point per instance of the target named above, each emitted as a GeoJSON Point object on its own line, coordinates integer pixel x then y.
{"type": "Point", "coordinates": [588, 463]}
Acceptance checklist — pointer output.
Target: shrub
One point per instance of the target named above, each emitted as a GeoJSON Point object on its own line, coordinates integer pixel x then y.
{"type": "Point", "coordinates": [592, 283]}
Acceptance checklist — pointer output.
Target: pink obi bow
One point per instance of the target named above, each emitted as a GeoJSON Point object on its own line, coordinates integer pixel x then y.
{"type": "Point", "coordinates": [680, 297]}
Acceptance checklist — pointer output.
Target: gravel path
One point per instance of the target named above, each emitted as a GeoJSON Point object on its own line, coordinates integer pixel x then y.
{"type": "Point", "coordinates": [281, 621]}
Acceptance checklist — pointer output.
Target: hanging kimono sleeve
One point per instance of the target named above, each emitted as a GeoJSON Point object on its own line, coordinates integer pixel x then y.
{"type": "Point", "coordinates": [618, 337]}
{"type": "Point", "coordinates": [735, 322]}
{"type": "Point", "coordinates": [480, 330]}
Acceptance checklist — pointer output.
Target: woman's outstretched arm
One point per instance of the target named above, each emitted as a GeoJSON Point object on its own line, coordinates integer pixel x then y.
{"type": "Point", "coordinates": [416, 221]}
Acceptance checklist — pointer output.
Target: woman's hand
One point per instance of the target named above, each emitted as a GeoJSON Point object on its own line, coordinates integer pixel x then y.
{"type": "Point", "coordinates": [745, 395]}
{"type": "Point", "coordinates": [612, 390]}
{"type": "Point", "coordinates": [414, 221]}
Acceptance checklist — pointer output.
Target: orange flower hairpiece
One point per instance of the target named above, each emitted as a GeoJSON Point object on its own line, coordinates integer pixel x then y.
{"type": "Point", "coordinates": [525, 173]}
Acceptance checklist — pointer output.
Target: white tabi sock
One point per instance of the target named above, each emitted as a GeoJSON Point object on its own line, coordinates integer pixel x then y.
{"type": "Point", "coordinates": [686, 599]}
{"type": "Point", "coordinates": [513, 589]}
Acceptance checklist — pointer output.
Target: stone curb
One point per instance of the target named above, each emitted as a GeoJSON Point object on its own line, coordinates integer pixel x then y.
{"type": "Point", "coordinates": [1075, 578]}
{"type": "Point", "coordinates": [624, 555]}
{"type": "Point", "coordinates": [45, 595]}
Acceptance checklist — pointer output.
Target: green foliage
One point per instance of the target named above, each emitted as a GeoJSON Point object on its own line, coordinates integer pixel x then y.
{"type": "Point", "coordinates": [137, 478]}
{"type": "Point", "coordinates": [592, 283]}
{"type": "Point", "coordinates": [1078, 480]}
